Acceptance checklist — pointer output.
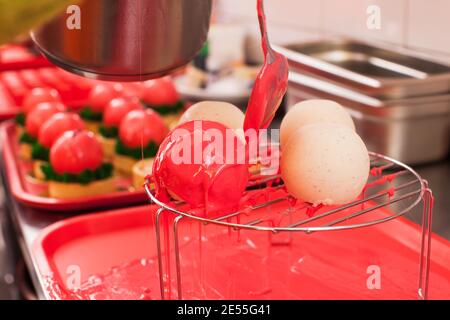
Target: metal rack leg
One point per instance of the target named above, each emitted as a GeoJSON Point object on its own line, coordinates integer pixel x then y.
{"type": "Point", "coordinates": [425, 249]}
{"type": "Point", "coordinates": [158, 247]}
{"type": "Point", "coordinates": [177, 255]}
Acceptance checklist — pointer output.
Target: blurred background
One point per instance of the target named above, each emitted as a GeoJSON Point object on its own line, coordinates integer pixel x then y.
{"type": "Point", "coordinates": [414, 24]}
{"type": "Point", "coordinates": [386, 61]}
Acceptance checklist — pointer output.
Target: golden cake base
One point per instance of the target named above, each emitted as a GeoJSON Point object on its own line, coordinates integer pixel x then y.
{"type": "Point", "coordinates": [25, 151]}
{"type": "Point", "coordinates": [123, 164]}
{"type": "Point", "coordinates": [92, 126]}
{"type": "Point", "coordinates": [109, 147]}
{"type": "Point", "coordinates": [171, 120]}
{"type": "Point", "coordinates": [19, 131]}
{"type": "Point", "coordinates": [37, 170]}
{"type": "Point", "coordinates": [61, 190]}
{"type": "Point", "coordinates": [141, 170]}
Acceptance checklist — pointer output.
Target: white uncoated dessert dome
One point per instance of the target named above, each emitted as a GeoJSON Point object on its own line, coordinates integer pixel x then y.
{"type": "Point", "coordinates": [313, 111]}
{"type": "Point", "coordinates": [325, 163]}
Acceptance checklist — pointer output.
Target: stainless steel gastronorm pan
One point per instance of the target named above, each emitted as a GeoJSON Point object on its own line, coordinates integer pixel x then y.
{"type": "Point", "coordinates": [372, 70]}
{"type": "Point", "coordinates": [414, 130]}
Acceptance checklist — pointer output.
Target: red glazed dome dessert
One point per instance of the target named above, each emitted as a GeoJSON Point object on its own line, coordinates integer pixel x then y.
{"type": "Point", "coordinates": [140, 134]}
{"type": "Point", "coordinates": [77, 167]}
{"type": "Point", "coordinates": [192, 167]}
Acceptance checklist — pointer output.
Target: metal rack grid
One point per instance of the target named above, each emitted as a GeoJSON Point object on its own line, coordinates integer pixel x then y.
{"type": "Point", "coordinates": [399, 199]}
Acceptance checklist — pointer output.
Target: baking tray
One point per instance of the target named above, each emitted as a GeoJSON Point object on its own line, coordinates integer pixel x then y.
{"type": "Point", "coordinates": [112, 255]}
{"type": "Point", "coordinates": [413, 130]}
{"type": "Point", "coordinates": [29, 192]}
{"type": "Point", "coordinates": [375, 71]}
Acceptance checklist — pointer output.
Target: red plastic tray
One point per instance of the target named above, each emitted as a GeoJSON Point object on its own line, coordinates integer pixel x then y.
{"type": "Point", "coordinates": [28, 192]}
{"type": "Point", "coordinates": [14, 57]}
{"type": "Point", "coordinates": [112, 255]}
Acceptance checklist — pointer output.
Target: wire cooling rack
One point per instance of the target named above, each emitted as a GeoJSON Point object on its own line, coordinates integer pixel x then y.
{"type": "Point", "coordinates": [392, 185]}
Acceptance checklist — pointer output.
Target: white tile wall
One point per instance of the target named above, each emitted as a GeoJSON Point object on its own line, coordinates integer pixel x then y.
{"type": "Point", "coordinates": [420, 24]}
{"type": "Point", "coordinates": [283, 26]}
{"type": "Point", "coordinates": [429, 25]}
{"type": "Point", "coordinates": [278, 34]}
{"type": "Point", "coordinates": [235, 8]}
{"type": "Point", "coordinates": [350, 17]}
{"type": "Point", "coordinates": [305, 14]}
{"type": "Point", "coordinates": [294, 13]}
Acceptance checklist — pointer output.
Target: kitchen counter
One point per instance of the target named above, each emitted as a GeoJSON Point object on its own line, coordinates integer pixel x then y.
{"type": "Point", "coordinates": [28, 222]}
{"type": "Point", "coordinates": [9, 256]}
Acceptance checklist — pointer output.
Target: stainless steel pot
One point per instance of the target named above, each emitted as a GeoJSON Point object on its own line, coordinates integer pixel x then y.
{"type": "Point", "coordinates": [126, 40]}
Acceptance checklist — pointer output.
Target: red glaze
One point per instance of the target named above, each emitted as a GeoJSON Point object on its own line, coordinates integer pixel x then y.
{"type": "Point", "coordinates": [160, 91]}
{"type": "Point", "coordinates": [76, 151]}
{"type": "Point", "coordinates": [270, 84]}
{"type": "Point", "coordinates": [118, 108]}
{"type": "Point", "coordinates": [117, 260]}
{"type": "Point", "coordinates": [215, 185]}
{"type": "Point", "coordinates": [102, 94]}
{"type": "Point", "coordinates": [140, 127]}
{"type": "Point", "coordinates": [56, 125]}
{"type": "Point", "coordinates": [40, 114]}
{"type": "Point", "coordinates": [38, 95]}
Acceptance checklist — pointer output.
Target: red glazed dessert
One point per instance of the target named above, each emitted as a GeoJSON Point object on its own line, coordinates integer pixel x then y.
{"type": "Point", "coordinates": [140, 134]}
{"type": "Point", "coordinates": [192, 167]}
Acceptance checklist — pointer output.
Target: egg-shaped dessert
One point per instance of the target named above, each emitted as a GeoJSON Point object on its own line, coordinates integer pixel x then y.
{"type": "Point", "coordinates": [325, 163]}
{"type": "Point", "coordinates": [222, 112]}
{"type": "Point", "coordinates": [313, 111]}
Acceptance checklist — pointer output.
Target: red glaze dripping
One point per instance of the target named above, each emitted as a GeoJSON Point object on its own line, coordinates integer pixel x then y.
{"type": "Point", "coordinates": [391, 192]}
{"type": "Point", "coordinates": [216, 186]}
{"type": "Point", "coordinates": [271, 82]}
{"type": "Point", "coordinates": [219, 188]}
{"type": "Point", "coordinates": [384, 179]}
{"type": "Point", "coordinates": [243, 269]}
{"type": "Point", "coordinates": [311, 210]}
{"type": "Point", "coordinates": [376, 171]}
